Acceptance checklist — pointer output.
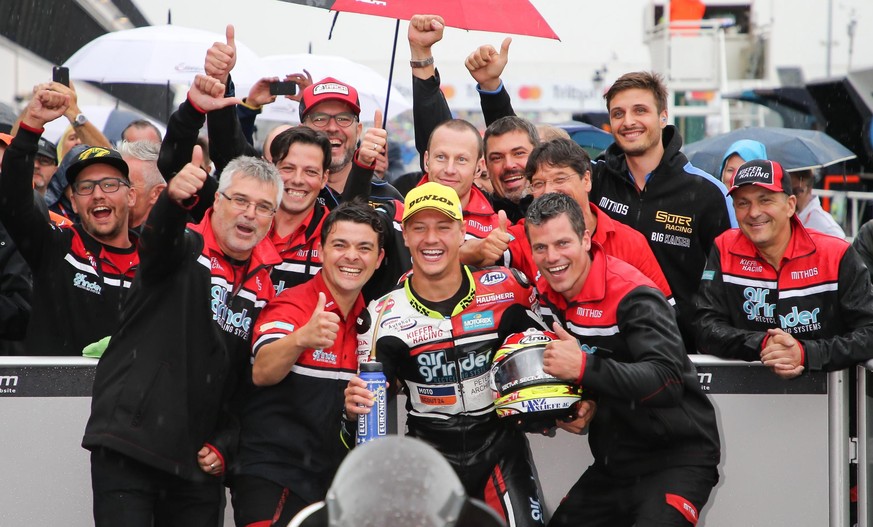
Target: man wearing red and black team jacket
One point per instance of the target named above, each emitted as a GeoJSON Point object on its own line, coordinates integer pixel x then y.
{"type": "Point", "coordinates": [167, 391]}
{"type": "Point", "coordinates": [297, 225]}
{"type": "Point", "coordinates": [81, 273]}
{"type": "Point", "coordinates": [653, 435]}
{"type": "Point", "coordinates": [774, 291]}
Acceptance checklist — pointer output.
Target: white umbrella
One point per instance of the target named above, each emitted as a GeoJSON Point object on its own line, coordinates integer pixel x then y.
{"type": "Point", "coordinates": [372, 87]}
{"type": "Point", "coordinates": [152, 55]}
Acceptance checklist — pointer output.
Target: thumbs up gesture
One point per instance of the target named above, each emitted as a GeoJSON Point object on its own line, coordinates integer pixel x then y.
{"type": "Point", "coordinates": [564, 358]}
{"type": "Point", "coordinates": [207, 93]}
{"type": "Point", "coordinates": [190, 179]}
{"type": "Point", "coordinates": [497, 241]}
{"type": "Point", "coordinates": [374, 141]}
{"type": "Point", "coordinates": [221, 57]}
{"type": "Point", "coordinates": [321, 330]}
{"type": "Point", "coordinates": [486, 65]}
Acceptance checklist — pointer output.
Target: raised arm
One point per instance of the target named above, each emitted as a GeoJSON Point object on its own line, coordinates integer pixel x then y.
{"type": "Point", "coordinates": [429, 106]}
{"type": "Point", "coordinates": [486, 66]}
{"type": "Point", "coordinates": [162, 247]}
{"type": "Point", "coordinates": [205, 95]}
{"type": "Point", "coordinates": [19, 213]}
{"type": "Point", "coordinates": [87, 132]}
{"type": "Point", "coordinates": [226, 137]}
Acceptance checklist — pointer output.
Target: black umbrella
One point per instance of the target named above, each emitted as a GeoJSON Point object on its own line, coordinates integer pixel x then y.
{"type": "Point", "coordinates": [794, 149]}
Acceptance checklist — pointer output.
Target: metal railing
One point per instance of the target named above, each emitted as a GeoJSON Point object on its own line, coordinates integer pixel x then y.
{"type": "Point", "coordinates": [857, 204]}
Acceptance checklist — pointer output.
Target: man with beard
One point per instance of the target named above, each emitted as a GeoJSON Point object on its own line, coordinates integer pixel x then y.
{"type": "Point", "coordinates": [329, 106]}
{"type": "Point", "coordinates": [81, 272]}
{"type": "Point", "coordinates": [509, 139]}
{"type": "Point", "coordinates": [163, 425]}
{"type": "Point", "coordinates": [333, 107]}
{"type": "Point", "coordinates": [508, 143]}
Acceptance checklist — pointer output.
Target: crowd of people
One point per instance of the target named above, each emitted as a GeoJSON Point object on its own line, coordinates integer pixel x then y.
{"type": "Point", "coordinates": [231, 292]}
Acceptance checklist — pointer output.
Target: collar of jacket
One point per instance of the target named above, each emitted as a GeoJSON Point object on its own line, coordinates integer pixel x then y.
{"type": "Point", "coordinates": [96, 247]}
{"type": "Point", "coordinates": [264, 253]}
{"type": "Point", "coordinates": [593, 290]}
{"type": "Point", "coordinates": [673, 158]}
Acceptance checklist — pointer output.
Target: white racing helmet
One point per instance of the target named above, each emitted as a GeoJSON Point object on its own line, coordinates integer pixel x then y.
{"type": "Point", "coordinates": [523, 391]}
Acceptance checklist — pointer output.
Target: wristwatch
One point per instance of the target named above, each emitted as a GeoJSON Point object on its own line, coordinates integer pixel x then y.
{"type": "Point", "coordinates": [423, 63]}
{"type": "Point", "coordinates": [80, 120]}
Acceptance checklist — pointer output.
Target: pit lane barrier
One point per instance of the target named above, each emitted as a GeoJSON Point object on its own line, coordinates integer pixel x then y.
{"type": "Point", "coordinates": [785, 445]}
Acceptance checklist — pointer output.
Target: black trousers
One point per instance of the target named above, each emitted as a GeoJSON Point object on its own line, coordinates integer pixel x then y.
{"type": "Point", "coordinates": [507, 482]}
{"type": "Point", "coordinates": [129, 493]}
{"type": "Point", "coordinates": [670, 497]}
{"type": "Point", "coordinates": [258, 502]}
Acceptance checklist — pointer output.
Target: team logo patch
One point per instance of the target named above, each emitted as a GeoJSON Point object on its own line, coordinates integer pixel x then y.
{"type": "Point", "coordinates": [535, 339]}
{"type": "Point", "coordinates": [324, 356]}
{"type": "Point", "coordinates": [330, 87]}
{"type": "Point", "coordinates": [490, 298]}
{"type": "Point", "coordinates": [493, 277]}
{"type": "Point", "coordinates": [398, 324]}
{"type": "Point", "coordinates": [474, 321]}
{"type": "Point", "coordinates": [94, 152]}
{"type": "Point", "coordinates": [437, 396]}
{"type": "Point", "coordinates": [385, 305]}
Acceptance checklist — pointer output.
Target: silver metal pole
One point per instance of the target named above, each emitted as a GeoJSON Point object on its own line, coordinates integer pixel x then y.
{"type": "Point", "coordinates": [830, 38]}
{"type": "Point", "coordinates": [838, 447]}
{"type": "Point", "coordinates": [864, 519]}
{"type": "Point", "coordinates": [723, 81]}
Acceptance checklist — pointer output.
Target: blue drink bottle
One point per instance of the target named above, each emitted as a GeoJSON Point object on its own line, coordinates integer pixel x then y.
{"type": "Point", "coordinates": [374, 424]}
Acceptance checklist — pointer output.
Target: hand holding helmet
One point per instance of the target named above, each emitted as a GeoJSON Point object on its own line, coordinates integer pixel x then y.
{"type": "Point", "coordinates": [523, 390]}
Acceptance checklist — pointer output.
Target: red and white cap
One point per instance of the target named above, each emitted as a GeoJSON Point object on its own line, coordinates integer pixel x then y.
{"type": "Point", "coordinates": [329, 89]}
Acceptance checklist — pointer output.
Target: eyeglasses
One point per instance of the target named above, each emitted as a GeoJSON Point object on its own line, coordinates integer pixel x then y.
{"type": "Point", "coordinates": [241, 204]}
{"type": "Point", "coordinates": [109, 185]}
{"type": "Point", "coordinates": [321, 120]}
{"type": "Point", "coordinates": [45, 161]}
{"type": "Point", "coordinates": [540, 184]}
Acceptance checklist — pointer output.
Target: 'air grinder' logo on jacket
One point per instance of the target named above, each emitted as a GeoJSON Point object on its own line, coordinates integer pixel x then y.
{"type": "Point", "coordinates": [436, 367]}
{"type": "Point", "coordinates": [81, 281]}
{"type": "Point", "coordinates": [229, 321]}
{"type": "Point", "coordinates": [756, 306]}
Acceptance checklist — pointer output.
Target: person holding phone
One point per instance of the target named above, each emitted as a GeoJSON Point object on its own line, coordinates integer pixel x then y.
{"type": "Point", "coordinates": [353, 149]}
{"type": "Point", "coordinates": [84, 130]}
